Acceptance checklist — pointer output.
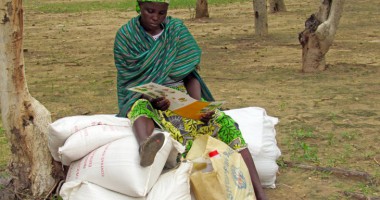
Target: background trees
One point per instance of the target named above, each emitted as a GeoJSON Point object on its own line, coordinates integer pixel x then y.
{"type": "Point", "coordinates": [259, 10]}
{"type": "Point", "coordinates": [318, 36]}
{"type": "Point", "coordinates": [261, 17]}
{"type": "Point", "coordinates": [277, 6]}
{"type": "Point", "coordinates": [201, 9]}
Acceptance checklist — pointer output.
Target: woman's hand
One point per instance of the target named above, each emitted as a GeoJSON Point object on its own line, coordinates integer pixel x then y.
{"type": "Point", "coordinates": [205, 118]}
{"type": "Point", "coordinates": [160, 103]}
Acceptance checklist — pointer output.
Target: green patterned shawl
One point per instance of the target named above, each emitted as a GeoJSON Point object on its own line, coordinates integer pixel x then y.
{"type": "Point", "coordinates": [140, 59]}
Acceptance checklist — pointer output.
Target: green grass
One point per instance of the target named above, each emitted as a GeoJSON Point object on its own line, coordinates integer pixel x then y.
{"type": "Point", "coordinates": [119, 5]}
{"type": "Point", "coordinates": [72, 7]}
{"type": "Point", "coordinates": [300, 149]}
{"type": "Point", "coordinates": [4, 149]}
{"type": "Point", "coordinates": [349, 135]}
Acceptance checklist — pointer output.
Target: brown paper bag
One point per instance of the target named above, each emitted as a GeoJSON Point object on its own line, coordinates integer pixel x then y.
{"type": "Point", "coordinates": [230, 177]}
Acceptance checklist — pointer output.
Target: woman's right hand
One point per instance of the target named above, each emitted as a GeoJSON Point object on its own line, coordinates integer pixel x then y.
{"type": "Point", "coordinates": [206, 117]}
{"type": "Point", "coordinates": [160, 103]}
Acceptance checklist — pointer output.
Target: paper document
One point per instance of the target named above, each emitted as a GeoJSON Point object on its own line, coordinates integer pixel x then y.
{"type": "Point", "coordinates": [180, 103]}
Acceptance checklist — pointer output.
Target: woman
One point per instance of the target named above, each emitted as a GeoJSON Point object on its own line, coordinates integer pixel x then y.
{"type": "Point", "coordinates": [155, 48]}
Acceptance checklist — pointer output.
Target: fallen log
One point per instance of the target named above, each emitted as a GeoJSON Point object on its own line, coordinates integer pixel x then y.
{"type": "Point", "coordinates": [359, 175]}
{"type": "Point", "coordinates": [359, 196]}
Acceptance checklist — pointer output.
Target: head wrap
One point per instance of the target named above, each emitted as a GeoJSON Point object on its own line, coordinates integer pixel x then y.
{"type": "Point", "coordinates": [138, 7]}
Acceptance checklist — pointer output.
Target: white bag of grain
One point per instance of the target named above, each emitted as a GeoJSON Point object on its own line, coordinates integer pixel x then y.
{"type": "Point", "coordinates": [84, 190]}
{"type": "Point", "coordinates": [62, 129]}
{"type": "Point", "coordinates": [88, 139]}
{"type": "Point", "coordinates": [115, 166]}
{"type": "Point", "coordinates": [259, 133]}
{"type": "Point", "coordinates": [173, 185]}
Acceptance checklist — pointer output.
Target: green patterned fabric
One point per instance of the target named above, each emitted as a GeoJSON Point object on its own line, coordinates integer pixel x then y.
{"type": "Point", "coordinates": [184, 130]}
{"type": "Point", "coordinates": [140, 59]}
{"type": "Point", "coordinates": [138, 7]}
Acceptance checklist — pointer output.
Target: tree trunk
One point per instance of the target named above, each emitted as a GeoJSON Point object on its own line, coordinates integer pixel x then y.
{"type": "Point", "coordinates": [319, 34]}
{"type": "Point", "coordinates": [277, 6]}
{"type": "Point", "coordinates": [261, 19]}
{"type": "Point", "coordinates": [201, 9]}
{"type": "Point", "coordinates": [24, 119]}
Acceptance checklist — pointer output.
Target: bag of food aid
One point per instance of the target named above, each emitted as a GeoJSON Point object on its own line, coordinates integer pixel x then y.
{"type": "Point", "coordinates": [227, 177]}
{"type": "Point", "coordinates": [115, 166]}
{"type": "Point", "coordinates": [258, 130]}
{"type": "Point", "coordinates": [90, 138]}
{"type": "Point", "coordinates": [84, 190]}
{"type": "Point", "coordinates": [173, 185]}
{"type": "Point", "coordinates": [62, 129]}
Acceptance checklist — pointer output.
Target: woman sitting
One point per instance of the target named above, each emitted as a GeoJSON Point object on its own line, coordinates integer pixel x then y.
{"type": "Point", "coordinates": [154, 47]}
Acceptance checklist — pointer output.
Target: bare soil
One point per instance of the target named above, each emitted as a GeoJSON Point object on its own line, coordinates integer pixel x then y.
{"type": "Point", "coordinates": [329, 119]}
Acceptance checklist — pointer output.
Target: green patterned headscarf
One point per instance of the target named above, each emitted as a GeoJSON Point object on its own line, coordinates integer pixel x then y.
{"type": "Point", "coordinates": [138, 7]}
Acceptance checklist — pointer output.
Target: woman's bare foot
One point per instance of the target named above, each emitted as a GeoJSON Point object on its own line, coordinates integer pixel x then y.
{"type": "Point", "coordinates": [149, 148]}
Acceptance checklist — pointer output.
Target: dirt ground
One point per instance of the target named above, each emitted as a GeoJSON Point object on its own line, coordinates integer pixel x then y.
{"type": "Point", "coordinates": [327, 119]}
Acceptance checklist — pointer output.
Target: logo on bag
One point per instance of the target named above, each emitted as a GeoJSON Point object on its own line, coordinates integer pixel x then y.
{"type": "Point", "coordinates": [238, 177]}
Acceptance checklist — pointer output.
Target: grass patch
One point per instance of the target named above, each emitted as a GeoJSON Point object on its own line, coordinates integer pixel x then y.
{"type": "Point", "coordinates": [4, 149]}
{"type": "Point", "coordinates": [348, 135]}
{"type": "Point", "coordinates": [364, 188]}
{"type": "Point", "coordinates": [330, 137]}
{"type": "Point", "coordinates": [117, 5]}
{"type": "Point", "coordinates": [303, 134]}
{"type": "Point", "coordinates": [300, 149]}
{"type": "Point", "coordinates": [72, 7]}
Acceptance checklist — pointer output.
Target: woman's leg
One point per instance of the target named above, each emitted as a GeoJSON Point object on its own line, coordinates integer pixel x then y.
{"type": "Point", "coordinates": [142, 128]}
{"type": "Point", "coordinates": [260, 195]}
{"type": "Point", "coordinates": [149, 145]}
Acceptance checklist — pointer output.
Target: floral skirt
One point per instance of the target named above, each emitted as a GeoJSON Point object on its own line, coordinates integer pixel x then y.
{"type": "Point", "coordinates": [184, 130]}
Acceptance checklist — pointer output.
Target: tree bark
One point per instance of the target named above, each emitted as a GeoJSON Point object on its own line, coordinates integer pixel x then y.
{"type": "Point", "coordinates": [24, 119]}
{"type": "Point", "coordinates": [319, 35]}
{"type": "Point", "coordinates": [261, 18]}
{"type": "Point", "coordinates": [277, 6]}
{"type": "Point", "coordinates": [201, 9]}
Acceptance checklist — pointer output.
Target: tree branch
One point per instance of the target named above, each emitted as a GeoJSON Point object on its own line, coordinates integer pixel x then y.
{"type": "Point", "coordinates": [359, 196]}
{"type": "Point", "coordinates": [336, 171]}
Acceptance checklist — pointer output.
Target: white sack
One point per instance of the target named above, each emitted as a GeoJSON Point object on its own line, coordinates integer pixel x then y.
{"type": "Point", "coordinates": [63, 128]}
{"type": "Point", "coordinates": [173, 185]}
{"type": "Point", "coordinates": [78, 190]}
{"type": "Point", "coordinates": [250, 122]}
{"type": "Point", "coordinates": [88, 139]}
{"type": "Point", "coordinates": [269, 147]}
{"type": "Point", "coordinates": [267, 170]}
{"type": "Point", "coordinates": [115, 166]}
{"type": "Point", "coordinates": [260, 135]}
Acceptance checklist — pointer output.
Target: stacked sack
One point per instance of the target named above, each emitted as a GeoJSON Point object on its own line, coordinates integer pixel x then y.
{"type": "Point", "coordinates": [104, 161]}
{"type": "Point", "coordinates": [102, 153]}
{"type": "Point", "coordinates": [171, 185]}
{"type": "Point", "coordinates": [258, 130]}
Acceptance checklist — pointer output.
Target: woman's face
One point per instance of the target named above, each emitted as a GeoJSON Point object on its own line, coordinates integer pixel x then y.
{"type": "Point", "coordinates": [152, 15]}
